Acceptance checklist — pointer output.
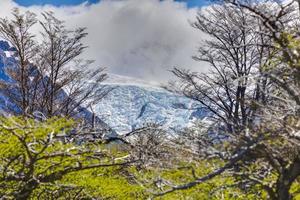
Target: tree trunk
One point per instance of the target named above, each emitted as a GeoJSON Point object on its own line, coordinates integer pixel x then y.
{"type": "Point", "coordinates": [26, 191]}
{"type": "Point", "coordinates": [23, 196]}
{"type": "Point", "coordinates": [283, 191]}
{"type": "Point", "coordinates": [284, 182]}
{"type": "Point", "coordinates": [286, 179]}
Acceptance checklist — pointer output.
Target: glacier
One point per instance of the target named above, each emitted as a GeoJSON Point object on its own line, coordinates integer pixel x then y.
{"type": "Point", "coordinates": [134, 103]}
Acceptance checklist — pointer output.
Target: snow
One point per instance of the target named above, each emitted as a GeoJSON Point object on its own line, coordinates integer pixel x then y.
{"type": "Point", "coordinates": [8, 54]}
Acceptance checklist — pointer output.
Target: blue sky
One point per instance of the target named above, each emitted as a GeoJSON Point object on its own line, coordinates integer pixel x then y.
{"type": "Point", "coordinates": [194, 3]}
{"type": "Point", "coordinates": [191, 3]}
{"type": "Point", "coordinates": [53, 2]}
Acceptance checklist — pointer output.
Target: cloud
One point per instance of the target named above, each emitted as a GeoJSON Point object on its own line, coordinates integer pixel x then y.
{"type": "Point", "coordinates": [138, 38]}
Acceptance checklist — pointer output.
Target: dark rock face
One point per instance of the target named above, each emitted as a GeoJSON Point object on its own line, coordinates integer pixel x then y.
{"type": "Point", "coordinates": [4, 46]}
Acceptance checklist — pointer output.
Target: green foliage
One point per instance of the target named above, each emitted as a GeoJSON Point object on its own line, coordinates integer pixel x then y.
{"type": "Point", "coordinates": [295, 190]}
{"type": "Point", "coordinates": [222, 187]}
{"type": "Point", "coordinates": [23, 153]}
{"type": "Point", "coordinates": [26, 154]}
{"type": "Point", "coordinates": [35, 160]}
{"type": "Point", "coordinates": [107, 183]}
{"type": "Point", "coordinates": [285, 58]}
{"type": "Point", "coordinates": [130, 183]}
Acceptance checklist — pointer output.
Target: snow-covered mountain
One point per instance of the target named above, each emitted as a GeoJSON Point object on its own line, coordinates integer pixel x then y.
{"type": "Point", "coordinates": [130, 105]}
{"type": "Point", "coordinates": [134, 103]}
{"type": "Point", "coordinates": [6, 60]}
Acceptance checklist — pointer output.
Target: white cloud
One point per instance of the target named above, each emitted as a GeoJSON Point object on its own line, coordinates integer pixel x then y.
{"type": "Point", "coordinates": [139, 38]}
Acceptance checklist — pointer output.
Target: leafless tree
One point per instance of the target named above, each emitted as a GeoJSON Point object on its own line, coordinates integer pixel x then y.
{"type": "Point", "coordinates": [253, 90]}
{"type": "Point", "coordinates": [151, 147]}
{"type": "Point", "coordinates": [17, 33]}
{"type": "Point", "coordinates": [227, 90]}
{"type": "Point", "coordinates": [48, 75]}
